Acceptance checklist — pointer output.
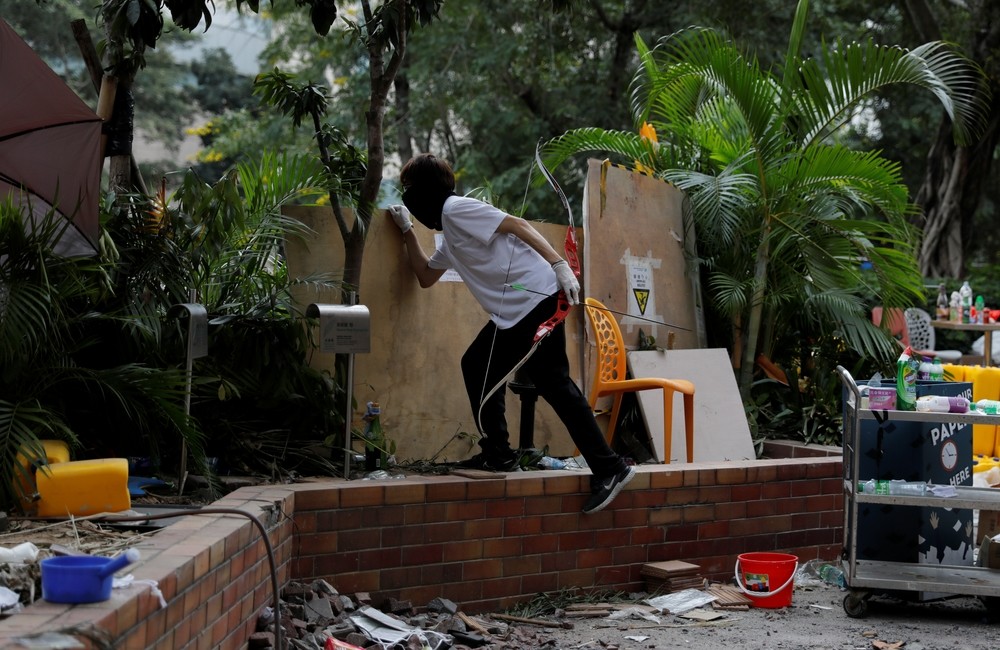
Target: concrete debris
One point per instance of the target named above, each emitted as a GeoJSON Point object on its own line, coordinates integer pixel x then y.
{"type": "Point", "coordinates": [316, 617]}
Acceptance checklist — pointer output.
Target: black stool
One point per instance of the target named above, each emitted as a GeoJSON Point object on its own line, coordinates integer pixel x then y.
{"type": "Point", "coordinates": [523, 387]}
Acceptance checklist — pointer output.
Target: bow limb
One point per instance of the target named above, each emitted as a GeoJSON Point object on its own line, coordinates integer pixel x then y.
{"type": "Point", "coordinates": [571, 243]}
{"type": "Point", "coordinates": [503, 380]}
{"type": "Point", "coordinates": [570, 247]}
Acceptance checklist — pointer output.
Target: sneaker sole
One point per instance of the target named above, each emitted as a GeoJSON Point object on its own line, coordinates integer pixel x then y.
{"type": "Point", "coordinates": [614, 492]}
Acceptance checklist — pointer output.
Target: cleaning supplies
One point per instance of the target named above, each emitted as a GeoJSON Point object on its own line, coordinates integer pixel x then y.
{"type": "Point", "coordinates": [942, 404]}
{"type": "Point", "coordinates": [906, 381]}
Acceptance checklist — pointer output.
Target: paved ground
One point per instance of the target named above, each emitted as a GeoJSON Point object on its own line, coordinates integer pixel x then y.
{"type": "Point", "coordinates": [815, 621]}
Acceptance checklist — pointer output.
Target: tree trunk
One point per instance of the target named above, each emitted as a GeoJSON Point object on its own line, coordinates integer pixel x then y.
{"type": "Point", "coordinates": [752, 331]}
{"type": "Point", "coordinates": [950, 193]}
{"type": "Point", "coordinates": [955, 177]}
{"type": "Point", "coordinates": [404, 133]}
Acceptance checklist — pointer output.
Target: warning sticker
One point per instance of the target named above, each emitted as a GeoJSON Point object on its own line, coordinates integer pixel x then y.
{"type": "Point", "coordinates": [641, 299]}
{"type": "Point", "coordinates": [640, 281]}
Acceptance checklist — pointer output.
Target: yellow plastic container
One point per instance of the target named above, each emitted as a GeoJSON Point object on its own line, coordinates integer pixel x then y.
{"type": "Point", "coordinates": [83, 487]}
{"type": "Point", "coordinates": [56, 451]}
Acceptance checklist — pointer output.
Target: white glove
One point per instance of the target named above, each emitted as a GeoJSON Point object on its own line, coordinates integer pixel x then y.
{"type": "Point", "coordinates": [402, 217]}
{"type": "Point", "coordinates": [567, 281]}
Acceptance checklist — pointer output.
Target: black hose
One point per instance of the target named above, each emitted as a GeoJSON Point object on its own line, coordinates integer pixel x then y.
{"type": "Point", "coordinates": [226, 511]}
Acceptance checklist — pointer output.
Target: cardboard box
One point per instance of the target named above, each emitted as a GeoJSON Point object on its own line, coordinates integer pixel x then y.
{"type": "Point", "coordinates": [989, 524]}
{"type": "Point", "coordinates": [989, 554]}
{"type": "Point", "coordinates": [880, 399]}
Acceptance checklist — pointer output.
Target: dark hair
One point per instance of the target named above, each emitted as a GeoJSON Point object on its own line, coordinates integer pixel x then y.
{"type": "Point", "coordinates": [428, 173]}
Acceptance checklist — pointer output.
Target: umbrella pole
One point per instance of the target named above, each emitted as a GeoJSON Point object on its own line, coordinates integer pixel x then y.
{"type": "Point", "coordinates": [102, 84]}
{"type": "Point", "coordinates": [105, 106]}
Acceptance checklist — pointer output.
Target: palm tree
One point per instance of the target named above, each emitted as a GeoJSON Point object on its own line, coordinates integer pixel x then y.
{"type": "Point", "coordinates": [787, 218]}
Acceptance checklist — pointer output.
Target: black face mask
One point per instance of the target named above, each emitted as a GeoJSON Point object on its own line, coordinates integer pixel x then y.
{"type": "Point", "coordinates": [426, 206]}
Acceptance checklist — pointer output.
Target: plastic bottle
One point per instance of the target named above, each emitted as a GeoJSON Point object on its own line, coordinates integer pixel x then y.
{"type": "Point", "coordinates": [23, 553]}
{"type": "Point", "coordinates": [374, 438]}
{"type": "Point", "coordinates": [937, 370]}
{"type": "Point", "coordinates": [552, 463]}
{"type": "Point", "coordinates": [924, 371]}
{"type": "Point", "coordinates": [988, 406]}
{"type": "Point", "coordinates": [942, 404]}
{"type": "Point", "coordinates": [871, 486]}
{"type": "Point", "coordinates": [906, 381]}
{"type": "Point", "coordinates": [965, 296]}
{"type": "Point", "coordinates": [942, 303]}
{"type": "Point", "coordinates": [916, 489]}
{"type": "Point", "coordinates": [980, 310]}
{"type": "Point", "coordinates": [833, 575]}
{"type": "Point", "coordinates": [955, 308]}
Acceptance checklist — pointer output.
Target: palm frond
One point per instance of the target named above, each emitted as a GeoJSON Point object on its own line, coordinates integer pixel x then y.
{"type": "Point", "coordinates": [849, 73]}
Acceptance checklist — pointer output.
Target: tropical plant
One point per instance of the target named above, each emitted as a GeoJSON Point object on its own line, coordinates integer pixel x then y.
{"type": "Point", "coordinates": [785, 215]}
{"type": "Point", "coordinates": [59, 378]}
{"type": "Point", "coordinates": [381, 31]}
{"type": "Point", "coordinates": [255, 390]}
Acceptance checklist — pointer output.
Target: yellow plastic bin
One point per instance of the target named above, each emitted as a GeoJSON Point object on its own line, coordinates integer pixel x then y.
{"type": "Point", "coordinates": [55, 451]}
{"type": "Point", "coordinates": [83, 487]}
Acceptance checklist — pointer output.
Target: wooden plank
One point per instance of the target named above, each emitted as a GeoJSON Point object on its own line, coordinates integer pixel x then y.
{"type": "Point", "coordinates": [418, 337]}
{"type": "Point", "coordinates": [669, 568]}
{"type": "Point", "coordinates": [721, 431]}
{"type": "Point", "coordinates": [728, 596]}
{"type": "Point", "coordinates": [640, 255]}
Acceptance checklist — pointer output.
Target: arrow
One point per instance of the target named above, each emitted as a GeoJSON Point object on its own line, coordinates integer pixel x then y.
{"type": "Point", "coordinates": [521, 287]}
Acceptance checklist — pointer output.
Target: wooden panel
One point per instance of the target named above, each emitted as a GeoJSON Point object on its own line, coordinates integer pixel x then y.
{"type": "Point", "coordinates": [640, 256]}
{"type": "Point", "coordinates": [418, 338]}
{"type": "Point", "coordinates": [721, 431]}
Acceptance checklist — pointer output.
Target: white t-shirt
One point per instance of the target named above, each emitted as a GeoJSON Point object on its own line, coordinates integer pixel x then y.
{"type": "Point", "coordinates": [489, 262]}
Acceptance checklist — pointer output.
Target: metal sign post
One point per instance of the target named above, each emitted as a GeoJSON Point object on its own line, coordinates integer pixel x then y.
{"type": "Point", "coordinates": [344, 329]}
{"type": "Point", "coordinates": [197, 347]}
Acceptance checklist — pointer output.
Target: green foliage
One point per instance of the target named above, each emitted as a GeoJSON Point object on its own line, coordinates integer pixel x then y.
{"type": "Point", "coordinates": [256, 386]}
{"type": "Point", "coordinates": [346, 164]}
{"type": "Point", "coordinates": [60, 378]}
{"type": "Point", "coordinates": [808, 407]}
{"type": "Point", "coordinates": [784, 214]}
{"type": "Point", "coordinates": [89, 354]}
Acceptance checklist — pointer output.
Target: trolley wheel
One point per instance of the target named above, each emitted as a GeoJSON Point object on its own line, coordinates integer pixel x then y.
{"type": "Point", "coordinates": [855, 605]}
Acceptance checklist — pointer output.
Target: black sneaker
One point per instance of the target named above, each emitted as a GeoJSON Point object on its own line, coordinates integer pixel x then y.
{"type": "Point", "coordinates": [491, 463]}
{"type": "Point", "coordinates": [606, 491]}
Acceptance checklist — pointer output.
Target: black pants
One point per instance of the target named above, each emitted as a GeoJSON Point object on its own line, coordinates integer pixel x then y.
{"type": "Point", "coordinates": [492, 355]}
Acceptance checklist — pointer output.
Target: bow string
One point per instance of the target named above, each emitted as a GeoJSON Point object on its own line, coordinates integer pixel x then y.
{"type": "Point", "coordinates": [562, 302]}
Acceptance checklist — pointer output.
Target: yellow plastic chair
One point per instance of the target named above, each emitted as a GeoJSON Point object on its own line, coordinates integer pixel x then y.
{"type": "Point", "coordinates": [610, 379]}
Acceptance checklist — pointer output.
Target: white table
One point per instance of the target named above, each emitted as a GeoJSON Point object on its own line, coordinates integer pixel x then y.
{"type": "Point", "coordinates": [986, 328]}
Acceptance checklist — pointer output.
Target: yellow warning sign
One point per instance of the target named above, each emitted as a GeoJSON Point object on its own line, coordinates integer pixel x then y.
{"type": "Point", "coordinates": [641, 298]}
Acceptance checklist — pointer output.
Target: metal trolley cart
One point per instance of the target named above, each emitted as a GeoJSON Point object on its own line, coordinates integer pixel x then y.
{"type": "Point", "coordinates": [865, 577]}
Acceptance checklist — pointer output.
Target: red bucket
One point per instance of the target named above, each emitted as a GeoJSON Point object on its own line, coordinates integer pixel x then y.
{"type": "Point", "coordinates": [767, 578]}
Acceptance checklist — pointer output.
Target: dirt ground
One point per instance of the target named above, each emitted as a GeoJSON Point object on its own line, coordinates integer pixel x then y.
{"type": "Point", "coordinates": [814, 621]}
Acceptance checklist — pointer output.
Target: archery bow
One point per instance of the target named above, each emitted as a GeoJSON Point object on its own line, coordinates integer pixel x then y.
{"type": "Point", "coordinates": [562, 301]}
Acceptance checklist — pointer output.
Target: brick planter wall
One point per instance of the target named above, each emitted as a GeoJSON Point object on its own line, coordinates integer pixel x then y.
{"type": "Point", "coordinates": [484, 543]}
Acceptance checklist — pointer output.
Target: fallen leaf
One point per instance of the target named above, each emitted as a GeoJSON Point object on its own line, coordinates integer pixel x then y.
{"type": "Point", "coordinates": [888, 645]}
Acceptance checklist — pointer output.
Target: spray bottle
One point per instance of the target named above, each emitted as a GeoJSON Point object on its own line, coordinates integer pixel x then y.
{"type": "Point", "coordinates": [906, 381]}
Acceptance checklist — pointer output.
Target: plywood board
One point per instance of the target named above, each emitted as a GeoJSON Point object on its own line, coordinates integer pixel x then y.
{"type": "Point", "coordinates": [641, 256]}
{"type": "Point", "coordinates": [721, 431]}
{"type": "Point", "coordinates": [418, 338]}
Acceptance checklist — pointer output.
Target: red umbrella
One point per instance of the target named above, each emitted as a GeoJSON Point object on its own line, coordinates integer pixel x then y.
{"type": "Point", "coordinates": [50, 145]}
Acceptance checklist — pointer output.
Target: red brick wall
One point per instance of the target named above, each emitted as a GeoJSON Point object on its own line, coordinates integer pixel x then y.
{"type": "Point", "coordinates": [485, 544]}
{"type": "Point", "coordinates": [489, 543]}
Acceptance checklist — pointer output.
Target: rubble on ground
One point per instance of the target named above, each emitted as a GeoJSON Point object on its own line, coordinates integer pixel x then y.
{"type": "Point", "coordinates": [313, 614]}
